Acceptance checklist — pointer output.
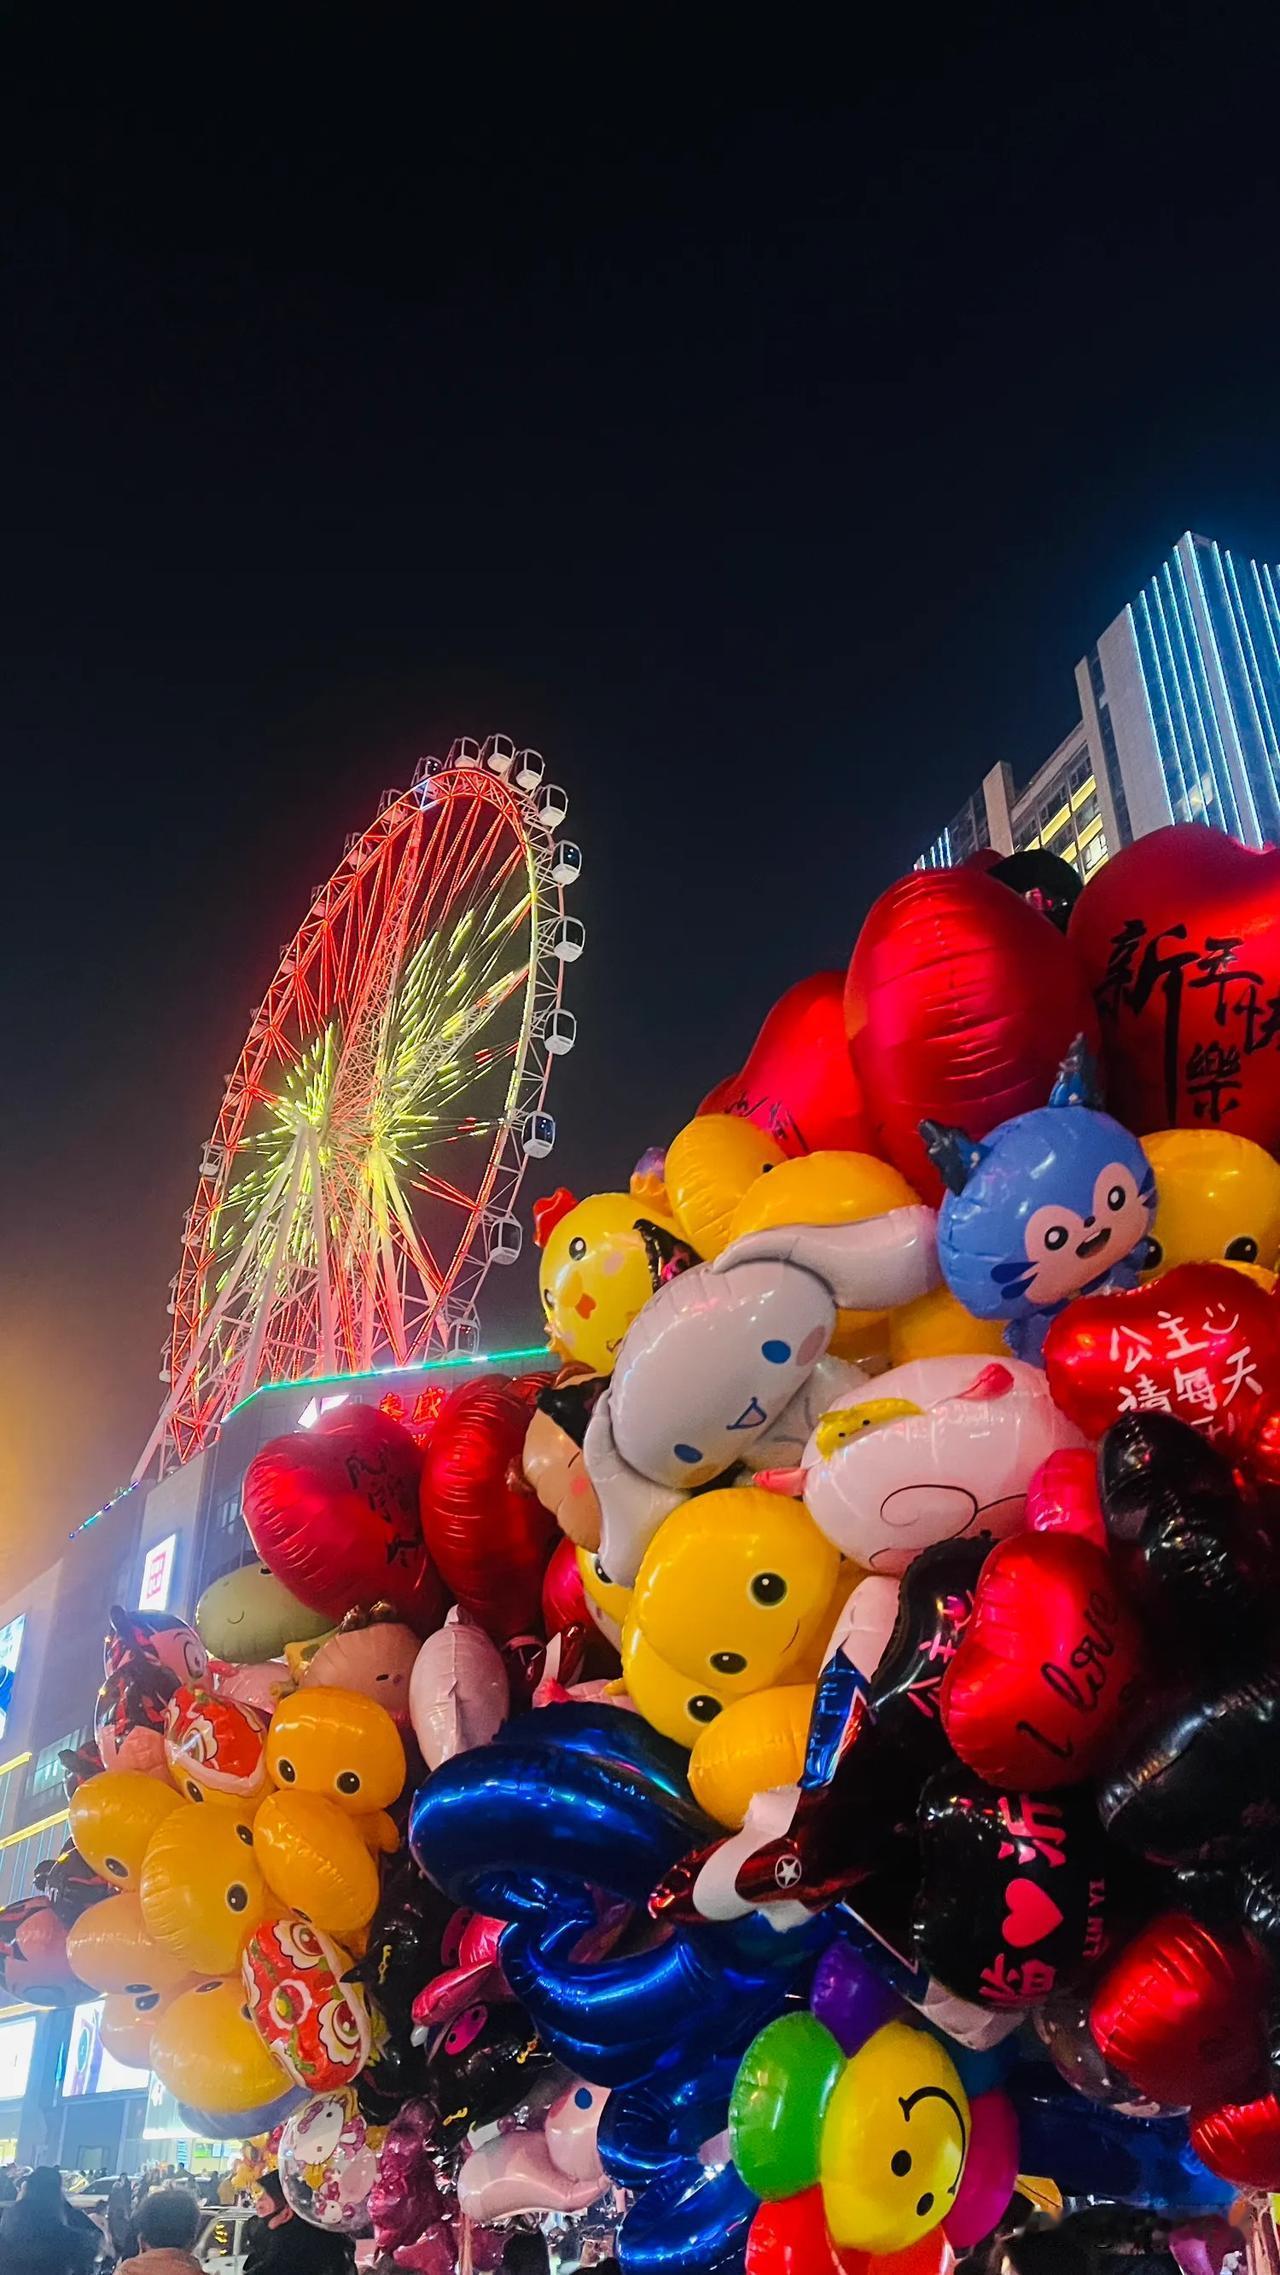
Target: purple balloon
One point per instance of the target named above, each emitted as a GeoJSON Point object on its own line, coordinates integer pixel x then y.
{"type": "Point", "coordinates": [850, 1998]}
{"type": "Point", "coordinates": [405, 2200]}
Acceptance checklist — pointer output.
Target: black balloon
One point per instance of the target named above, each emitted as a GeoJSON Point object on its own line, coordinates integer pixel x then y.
{"type": "Point", "coordinates": [1013, 1890]}
{"type": "Point", "coordinates": [1044, 879]}
{"type": "Point", "coordinates": [1173, 1510]}
{"type": "Point", "coordinates": [483, 2066]}
{"type": "Point", "coordinates": [1199, 1781]}
{"type": "Point", "coordinates": [403, 1953]}
{"type": "Point", "coordinates": [934, 1604]}
{"type": "Point", "coordinates": [70, 1884]}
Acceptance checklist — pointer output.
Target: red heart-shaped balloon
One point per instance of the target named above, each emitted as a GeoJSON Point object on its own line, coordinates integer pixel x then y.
{"type": "Point", "coordinates": [1241, 2141]}
{"type": "Point", "coordinates": [1180, 938]}
{"type": "Point", "coordinates": [960, 1004]}
{"type": "Point", "coordinates": [1201, 1343]}
{"type": "Point", "coordinates": [1046, 1666]}
{"type": "Point", "coordinates": [334, 1512]}
{"type": "Point", "coordinates": [1179, 2013]}
{"type": "Point", "coordinates": [798, 1082]}
{"type": "Point", "coordinates": [486, 1528]}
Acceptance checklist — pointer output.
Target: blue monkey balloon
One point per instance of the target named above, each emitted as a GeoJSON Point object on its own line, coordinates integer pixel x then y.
{"type": "Point", "coordinates": [1053, 1204]}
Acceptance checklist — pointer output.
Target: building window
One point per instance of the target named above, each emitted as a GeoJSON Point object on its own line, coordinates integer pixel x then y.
{"type": "Point", "coordinates": [45, 1773]}
{"type": "Point", "coordinates": [1095, 852]}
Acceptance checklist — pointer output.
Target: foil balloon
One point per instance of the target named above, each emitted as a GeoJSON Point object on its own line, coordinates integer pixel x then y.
{"type": "Point", "coordinates": [1047, 1207]}
{"type": "Point", "coordinates": [1202, 1343]}
{"type": "Point", "coordinates": [798, 1084]}
{"type": "Point", "coordinates": [717, 1369]}
{"type": "Point", "coordinates": [1050, 883]}
{"type": "Point", "coordinates": [328, 2165]}
{"type": "Point", "coordinates": [249, 1615]}
{"type": "Point", "coordinates": [934, 1604]}
{"type": "Point", "coordinates": [1063, 1496]}
{"type": "Point", "coordinates": [752, 1744]}
{"type": "Point", "coordinates": [315, 2023]}
{"type": "Point", "coordinates": [739, 1588]}
{"type": "Point", "coordinates": [154, 1642]}
{"type": "Point", "coordinates": [552, 1456]}
{"type": "Point", "coordinates": [471, 1976]}
{"type": "Point", "coordinates": [404, 1950]}
{"type": "Point", "coordinates": [482, 2066]}
{"type": "Point", "coordinates": [202, 1890]}
{"type": "Point", "coordinates": [1013, 1891]}
{"type": "Point", "coordinates": [960, 1003]}
{"type": "Point", "coordinates": [129, 2020]}
{"type": "Point", "coordinates": [1179, 2013]}
{"type": "Point", "coordinates": [940, 1449]}
{"type": "Point", "coordinates": [207, 2052]}
{"type": "Point", "coordinates": [245, 2125]}
{"type": "Point", "coordinates": [35, 1965]}
{"type": "Point", "coordinates": [1095, 2151]}
{"type": "Point", "coordinates": [1062, 2027]}
{"type": "Point", "coordinates": [372, 1652]}
{"type": "Point", "coordinates": [458, 1693]}
{"type": "Point", "coordinates": [990, 2171]}
{"type": "Point", "coordinates": [597, 1271]}
{"type": "Point", "coordinates": [1217, 1200]}
{"type": "Point", "coordinates": [1047, 1669]}
{"type": "Point", "coordinates": [146, 1655]}
{"type": "Point", "coordinates": [1241, 2141]}
{"type": "Point", "coordinates": [829, 1188]}
{"type": "Point", "coordinates": [711, 1164]}
{"type": "Point", "coordinates": [1180, 941]}
{"type": "Point", "coordinates": [489, 1533]}
{"type": "Point", "coordinates": [334, 1512]}
{"type": "Point", "coordinates": [113, 1818]}
{"type": "Point", "coordinates": [516, 2174]}
{"type": "Point", "coordinates": [1174, 1515]}
{"type": "Point", "coordinates": [405, 2200]}
{"type": "Point", "coordinates": [69, 1882]}
{"type": "Point", "coordinates": [315, 1858]}
{"type": "Point", "coordinates": [1197, 1780]}
{"type": "Point", "coordinates": [215, 1749]}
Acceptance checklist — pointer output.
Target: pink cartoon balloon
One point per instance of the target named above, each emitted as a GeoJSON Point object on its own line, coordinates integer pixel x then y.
{"type": "Point", "coordinates": [458, 1691]}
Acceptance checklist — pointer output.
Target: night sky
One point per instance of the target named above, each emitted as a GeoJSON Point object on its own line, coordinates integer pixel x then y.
{"type": "Point", "coordinates": [763, 433]}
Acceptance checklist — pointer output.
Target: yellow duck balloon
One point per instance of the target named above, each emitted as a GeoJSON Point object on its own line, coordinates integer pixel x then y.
{"type": "Point", "coordinates": [754, 1744]}
{"type": "Point", "coordinates": [113, 1819]}
{"type": "Point", "coordinates": [597, 1271]}
{"type": "Point", "coordinates": [209, 2055]}
{"type": "Point", "coordinates": [711, 1166]}
{"type": "Point", "coordinates": [1217, 1202]}
{"type": "Point", "coordinates": [202, 1887]}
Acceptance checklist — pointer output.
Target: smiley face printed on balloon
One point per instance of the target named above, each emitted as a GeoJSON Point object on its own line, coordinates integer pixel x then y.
{"type": "Point", "coordinates": [202, 1888]}
{"type": "Point", "coordinates": [248, 1616]}
{"type": "Point", "coordinates": [939, 1449]}
{"type": "Point", "coordinates": [1217, 1201]}
{"type": "Point", "coordinates": [738, 1589]}
{"type": "Point", "coordinates": [337, 1743]}
{"type": "Point", "coordinates": [1052, 1204]}
{"type": "Point", "coordinates": [885, 2133]}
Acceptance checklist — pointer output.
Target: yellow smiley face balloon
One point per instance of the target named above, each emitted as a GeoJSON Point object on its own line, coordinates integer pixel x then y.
{"type": "Point", "coordinates": [597, 1273]}
{"type": "Point", "coordinates": [113, 1819]}
{"type": "Point", "coordinates": [317, 1860]}
{"type": "Point", "coordinates": [208, 2053]}
{"type": "Point", "coordinates": [755, 1744]}
{"type": "Point", "coordinates": [737, 1588]}
{"type": "Point", "coordinates": [675, 1704]}
{"type": "Point", "coordinates": [202, 1889]}
{"type": "Point", "coordinates": [894, 2140]}
{"type": "Point", "coordinates": [340, 1744]}
{"type": "Point", "coordinates": [1217, 1200]}
{"type": "Point", "coordinates": [711, 1165]}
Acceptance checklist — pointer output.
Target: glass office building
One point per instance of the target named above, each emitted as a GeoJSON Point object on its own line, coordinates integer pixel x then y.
{"type": "Point", "coordinates": [1179, 721]}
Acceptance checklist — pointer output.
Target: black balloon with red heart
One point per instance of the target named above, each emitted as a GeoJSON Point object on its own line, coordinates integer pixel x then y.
{"type": "Point", "coordinates": [1013, 1891]}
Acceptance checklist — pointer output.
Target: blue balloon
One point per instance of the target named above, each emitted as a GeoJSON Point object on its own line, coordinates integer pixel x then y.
{"type": "Point", "coordinates": [695, 2220]}
{"type": "Point", "coordinates": [1091, 2150]}
{"type": "Point", "coordinates": [645, 2128]}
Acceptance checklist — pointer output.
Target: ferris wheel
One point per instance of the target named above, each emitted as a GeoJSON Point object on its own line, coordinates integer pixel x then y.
{"type": "Point", "coordinates": [363, 1169]}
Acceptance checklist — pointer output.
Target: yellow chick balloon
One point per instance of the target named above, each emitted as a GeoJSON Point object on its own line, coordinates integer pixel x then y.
{"type": "Point", "coordinates": [829, 1188]}
{"type": "Point", "coordinates": [109, 1948]}
{"type": "Point", "coordinates": [598, 1270]}
{"type": "Point", "coordinates": [1217, 1201]}
{"type": "Point", "coordinates": [129, 2019]}
{"type": "Point", "coordinates": [317, 1860]}
{"type": "Point", "coordinates": [210, 2056]}
{"type": "Point", "coordinates": [937, 1326]}
{"type": "Point", "coordinates": [754, 1744]}
{"type": "Point", "coordinates": [712, 1163]}
{"type": "Point", "coordinates": [739, 1589]}
{"type": "Point", "coordinates": [113, 1818]}
{"type": "Point", "coordinates": [202, 1888]}
{"type": "Point", "coordinates": [607, 1600]}
{"type": "Point", "coordinates": [338, 1743]}
{"type": "Point", "coordinates": [677, 1705]}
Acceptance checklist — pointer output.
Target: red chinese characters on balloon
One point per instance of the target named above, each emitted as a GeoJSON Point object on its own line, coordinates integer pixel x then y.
{"type": "Point", "coordinates": [1180, 937]}
{"type": "Point", "coordinates": [1202, 1344]}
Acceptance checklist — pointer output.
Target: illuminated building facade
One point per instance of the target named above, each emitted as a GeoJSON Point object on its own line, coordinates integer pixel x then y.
{"type": "Point", "coordinates": [1179, 721]}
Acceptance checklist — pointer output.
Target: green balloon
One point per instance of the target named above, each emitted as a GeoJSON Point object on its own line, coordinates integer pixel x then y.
{"type": "Point", "coordinates": [780, 2095]}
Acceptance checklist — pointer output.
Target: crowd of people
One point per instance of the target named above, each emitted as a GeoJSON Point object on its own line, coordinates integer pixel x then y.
{"type": "Point", "coordinates": [150, 2231]}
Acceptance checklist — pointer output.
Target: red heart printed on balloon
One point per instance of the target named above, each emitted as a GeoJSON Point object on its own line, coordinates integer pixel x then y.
{"type": "Point", "coordinates": [798, 1082]}
{"type": "Point", "coordinates": [1179, 2013]}
{"type": "Point", "coordinates": [1241, 2141]}
{"type": "Point", "coordinates": [1179, 936]}
{"type": "Point", "coordinates": [334, 1512]}
{"type": "Point", "coordinates": [1047, 1665]}
{"type": "Point", "coordinates": [960, 1004]}
{"type": "Point", "coordinates": [1201, 1343]}
{"type": "Point", "coordinates": [1031, 1915]}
